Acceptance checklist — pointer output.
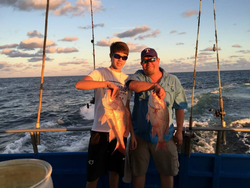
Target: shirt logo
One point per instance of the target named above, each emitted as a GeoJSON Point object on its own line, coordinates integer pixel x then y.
{"type": "Point", "coordinates": [147, 50]}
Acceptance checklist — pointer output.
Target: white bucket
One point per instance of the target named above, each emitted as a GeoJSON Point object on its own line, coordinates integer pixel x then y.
{"type": "Point", "coordinates": [23, 173]}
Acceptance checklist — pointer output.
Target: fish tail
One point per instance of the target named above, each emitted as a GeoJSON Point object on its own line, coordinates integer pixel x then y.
{"type": "Point", "coordinates": [161, 145]}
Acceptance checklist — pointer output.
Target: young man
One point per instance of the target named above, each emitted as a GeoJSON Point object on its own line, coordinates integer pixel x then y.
{"type": "Point", "coordinates": [100, 152]}
{"type": "Point", "coordinates": [169, 88]}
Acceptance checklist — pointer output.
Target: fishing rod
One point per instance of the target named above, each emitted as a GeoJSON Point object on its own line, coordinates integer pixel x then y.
{"type": "Point", "coordinates": [222, 135]}
{"type": "Point", "coordinates": [190, 133]}
{"type": "Point", "coordinates": [93, 36]}
{"type": "Point", "coordinates": [42, 75]}
{"type": "Point", "coordinates": [93, 42]}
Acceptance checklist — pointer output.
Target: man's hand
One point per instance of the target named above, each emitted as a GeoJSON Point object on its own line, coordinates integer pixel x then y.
{"type": "Point", "coordinates": [178, 138]}
{"type": "Point", "coordinates": [133, 143]}
{"type": "Point", "coordinates": [114, 88]}
{"type": "Point", "coordinates": [161, 93]}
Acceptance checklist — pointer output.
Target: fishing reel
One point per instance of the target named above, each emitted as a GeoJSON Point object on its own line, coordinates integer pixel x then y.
{"type": "Point", "coordinates": [218, 113]}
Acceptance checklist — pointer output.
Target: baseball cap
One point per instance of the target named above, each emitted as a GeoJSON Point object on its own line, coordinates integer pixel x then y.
{"type": "Point", "coordinates": [148, 52]}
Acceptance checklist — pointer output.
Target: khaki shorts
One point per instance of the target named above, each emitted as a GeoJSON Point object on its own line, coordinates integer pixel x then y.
{"type": "Point", "coordinates": [166, 162]}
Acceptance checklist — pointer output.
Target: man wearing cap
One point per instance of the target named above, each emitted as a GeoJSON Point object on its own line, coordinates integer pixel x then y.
{"type": "Point", "coordinates": [167, 87]}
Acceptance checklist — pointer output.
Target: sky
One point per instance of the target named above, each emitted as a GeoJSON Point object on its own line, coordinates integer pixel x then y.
{"type": "Point", "coordinates": [170, 27]}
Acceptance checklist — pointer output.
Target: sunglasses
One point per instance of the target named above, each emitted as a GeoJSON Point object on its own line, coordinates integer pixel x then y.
{"type": "Point", "coordinates": [148, 60]}
{"type": "Point", "coordinates": [117, 56]}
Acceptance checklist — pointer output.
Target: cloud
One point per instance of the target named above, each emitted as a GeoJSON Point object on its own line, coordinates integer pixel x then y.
{"type": "Point", "coordinates": [210, 49]}
{"type": "Point", "coordinates": [59, 50]}
{"type": "Point", "coordinates": [69, 39]}
{"type": "Point", "coordinates": [234, 56]}
{"type": "Point", "coordinates": [79, 62]}
{"type": "Point", "coordinates": [3, 65]}
{"type": "Point", "coordinates": [57, 7]}
{"type": "Point", "coordinates": [189, 13]}
{"type": "Point", "coordinates": [236, 46]}
{"type": "Point", "coordinates": [35, 42]}
{"type": "Point", "coordinates": [153, 34]}
{"type": "Point", "coordinates": [89, 26]}
{"type": "Point", "coordinates": [105, 42]}
{"type": "Point", "coordinates": [79, 9]}
{"type": "Point", "coordinates": [36, 59]}
{"type": "Point", "coordinates": [16, 53]}
{"type": "Point", "coordinates": [244, 51]}
{"type": "Point", "coordinates": [96, 5]}
{"type": "Point", "coordinates": [27, 5]}
{"type": "Point", "coordinates": [182, 33]}
{"type": "Point", "coordinates": [180, 43]}
{"type": "Point", "coordinates": [9, 46]}
{"type": "Point", "coordinates": [66, 50]}
{"type": "Point", "coordinates": [133, 32]}
{"type": "Point", "coordinates": [34, 33]}
{"type": "Point", "coordinates": [135, 48]}
{"type": "Point", "coordinates": [173, 31]}
{"type": "Point", "coordinates": [19, 65]}
{"type": "Point", "coordinates": [67, 7]}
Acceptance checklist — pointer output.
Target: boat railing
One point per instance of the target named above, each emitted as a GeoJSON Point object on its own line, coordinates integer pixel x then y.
{"type": "Point", "coordinates": [184, 148]}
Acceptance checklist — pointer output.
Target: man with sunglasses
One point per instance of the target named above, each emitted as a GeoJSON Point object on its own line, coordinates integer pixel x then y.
{"type": "Point", "coordinates": [101, 158]}
{"type": "Point", "coordinates": [167, 87]}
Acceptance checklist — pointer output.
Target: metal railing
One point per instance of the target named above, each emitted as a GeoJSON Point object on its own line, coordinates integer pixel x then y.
{"type": "Point", "coordinates": [184, 148]}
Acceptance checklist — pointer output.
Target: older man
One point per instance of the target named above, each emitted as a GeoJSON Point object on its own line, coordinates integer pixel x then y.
{"type": "Point", "coordinates": [167, 87]}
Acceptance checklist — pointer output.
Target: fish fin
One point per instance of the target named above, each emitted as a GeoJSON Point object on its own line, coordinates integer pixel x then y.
{"type": "Point", "coordinates": [121, 148]}
{"type": "Point", "coordinates": [102, 118]}
{"type": "Point", "coordinates": [154, 129]}
{"type": "Point", "coordinates": [161, 145]}
{"type": "Point", "coordinates": [111, 135]}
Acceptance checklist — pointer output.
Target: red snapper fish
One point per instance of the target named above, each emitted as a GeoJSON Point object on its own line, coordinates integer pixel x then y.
{"type": "Point", "coordinates": [159, 118]}
{"type": "Point", "coordinates": [116, 116]}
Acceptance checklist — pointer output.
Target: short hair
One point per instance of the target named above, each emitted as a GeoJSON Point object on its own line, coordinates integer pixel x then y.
{"type": "Point", "coordinates": [119, 47]}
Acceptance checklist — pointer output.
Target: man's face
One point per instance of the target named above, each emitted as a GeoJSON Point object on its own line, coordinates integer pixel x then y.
{"type": "Point", "coordinates": [150, 65]}
{"type": "Point", "coordinates": [118, 60]}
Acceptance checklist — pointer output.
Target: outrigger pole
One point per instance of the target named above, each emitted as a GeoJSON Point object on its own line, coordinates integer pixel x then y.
{"type": "Point", "coordinates": [93, 37]}
{"type": "Point", "coordinates": [42, 75]}
{"type": "Point", "coordinates": [221, 135]}
{"type": "Point", "coordinates": [93, 42]}
{"type": "Point", "coordinates": [190, 133]}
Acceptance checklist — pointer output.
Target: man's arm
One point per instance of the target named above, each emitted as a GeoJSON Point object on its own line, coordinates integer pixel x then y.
{"type": "Point", "coordinates": [140, 86]}
{"type": "Point", "coordinates": [87, 83]}
{"type": "Point", "coordinates": [178, 138]}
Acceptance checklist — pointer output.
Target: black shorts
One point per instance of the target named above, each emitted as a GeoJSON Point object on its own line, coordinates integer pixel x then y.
{"type": "Point", "coordinates": [102, 158]}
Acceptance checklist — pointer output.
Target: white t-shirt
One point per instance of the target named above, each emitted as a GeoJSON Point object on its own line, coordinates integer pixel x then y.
{"type": "Point", "coordinates": [117, 78]}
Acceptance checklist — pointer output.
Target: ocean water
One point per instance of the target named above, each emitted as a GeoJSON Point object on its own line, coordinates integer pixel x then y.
{"type": "Point", "coordinates": [64, 106]}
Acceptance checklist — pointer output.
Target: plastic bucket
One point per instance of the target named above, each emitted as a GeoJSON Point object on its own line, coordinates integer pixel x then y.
{"type": "Point", "coordinates": [23, 173]}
